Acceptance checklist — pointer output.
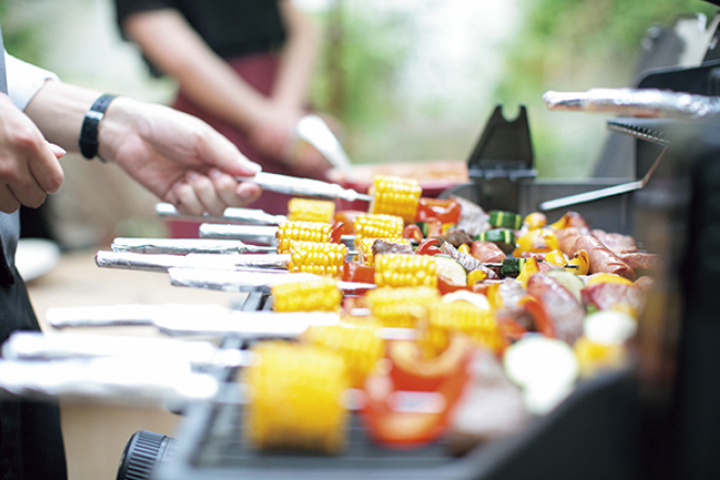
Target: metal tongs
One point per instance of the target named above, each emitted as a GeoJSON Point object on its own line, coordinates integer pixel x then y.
{"type": "Point", "coordinates": [315, 131]}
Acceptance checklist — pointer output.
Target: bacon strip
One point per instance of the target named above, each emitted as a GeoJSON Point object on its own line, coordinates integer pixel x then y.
{"type": "Point", "coordinates": [602, 259]}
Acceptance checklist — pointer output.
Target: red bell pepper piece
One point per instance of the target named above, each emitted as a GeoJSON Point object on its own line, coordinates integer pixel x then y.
{"type": "Point", "coordinates": [447, 211]}
{"type": "Point", "coordinates": [358, 272]}
{"type": "Point", "coordinates": [413, 232]}
{"type": "Point", "coordinates": [337, 232]}
{"type": "Point", "coordinates": [429, 246]}
{"type": "Point", "coordinates": [543, 322]}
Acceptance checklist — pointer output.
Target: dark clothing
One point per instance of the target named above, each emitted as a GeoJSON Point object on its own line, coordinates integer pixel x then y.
{"type": "Point", "coordinates": [230, 28]}
{"type": "Point", "coordinates": [245, 33]}
{"type": "Point", "coordinates": [31, 444]}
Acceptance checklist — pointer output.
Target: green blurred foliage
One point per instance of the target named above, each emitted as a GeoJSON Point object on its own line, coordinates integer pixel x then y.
{"type": "Point", "coordinates": [20, 38]}
{"type": "Point", "coordinates": [574, 45]}
{"type": "Point", "coordinates": [372, 48]}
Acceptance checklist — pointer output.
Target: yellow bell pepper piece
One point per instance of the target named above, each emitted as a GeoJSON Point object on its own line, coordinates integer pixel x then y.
{"type": "Point", "coordinates": [529, 269]}
{"type": "Point", "coordinates": [582, 261]}
{"type": "Point", "coordinates": [541, 240]}
{"type": "Point", "coordinates": [535, 220]}
{"type": "Point", "coordinates": [607, 278]}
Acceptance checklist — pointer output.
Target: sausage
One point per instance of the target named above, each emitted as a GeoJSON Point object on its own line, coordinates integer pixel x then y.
{"type": "Point", "coordinates": [561, 306]}
{"type": "Point", "coordinates": [647, 262]}
{"type": "Point", "coordinates": [574, 219]}
{"type": "Point", "coordinates": [606, 296]}
{"type": "Point", "coordinates": [602, 259]}
{"type": "Point", "coordinates": [567, 238]}
{"type": "Point", "coordinates": [616, 242]}
{"type": "Point", "coordinates": [487, 252]}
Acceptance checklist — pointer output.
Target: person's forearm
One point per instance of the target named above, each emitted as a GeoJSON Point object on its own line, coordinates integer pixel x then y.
{"type": "Point", "coordinates": [298, 59]}
{"type": "Point", "coordinates": [58, 110]}
{"type": "Point", "coordinates": [170, 44]}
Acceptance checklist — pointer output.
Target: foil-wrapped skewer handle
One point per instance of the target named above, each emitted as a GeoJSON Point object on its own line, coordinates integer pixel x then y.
{"type": "Point", "coordinates": [264, 234]}
{"type": "Point", "coordinates": [230, 215]}
{"type": "Point", "coordinates": [163, 262]}
{"type": "Point", "coordinates": [253, 215]}
{"type": "Point", "coordinates": [126, 314]}
{"type": "Point", "coordinates": [241, 281]}
{"type": "Point", "coordinates": [304, 187]}
{"type": "Point", "coordinates": [202, 320]}
{"type": "Point", "coordinates": [183, 246]}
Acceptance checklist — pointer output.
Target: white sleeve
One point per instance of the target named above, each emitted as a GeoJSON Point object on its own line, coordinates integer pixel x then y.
{"type": "Point", "coordinates": [24, 80]}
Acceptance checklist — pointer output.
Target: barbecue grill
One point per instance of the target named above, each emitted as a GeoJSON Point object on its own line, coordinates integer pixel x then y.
{"type": "Point", "coordinates": [656, 419]}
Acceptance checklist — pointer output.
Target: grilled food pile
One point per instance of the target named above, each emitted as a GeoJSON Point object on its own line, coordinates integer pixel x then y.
{"type": "Point", "coordinates": [470, 324]}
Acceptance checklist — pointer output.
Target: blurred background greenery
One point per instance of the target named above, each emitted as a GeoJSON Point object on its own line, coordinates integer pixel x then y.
{"type": "Point", "coordinates": [411, 80]}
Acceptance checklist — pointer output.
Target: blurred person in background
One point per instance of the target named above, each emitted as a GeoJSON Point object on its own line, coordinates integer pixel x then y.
{"type": "Point", "coordinates": [179, 158]}
{"type": "Point", "coordinates": [242, 66]}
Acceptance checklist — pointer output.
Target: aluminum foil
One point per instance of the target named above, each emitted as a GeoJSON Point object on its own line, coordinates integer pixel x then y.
{"type": "Point", "coordinates": [649, 103]}
{"type": "Point", "coordinates": [199, 354]}
{"type": "Point", "coordinates": [303, 187]}
{"type": "Point", "coordinates": [183, 246]}
{"type": "Point", "coordinates": [115, 380]}
{"type": "Point", "coordinates": [163, 262]}
{"type": "Point", "coordinates": [193, 320]}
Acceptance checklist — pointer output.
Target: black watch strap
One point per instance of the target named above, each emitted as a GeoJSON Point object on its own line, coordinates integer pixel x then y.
{"type": "Point", "coordinates": [89, 130]}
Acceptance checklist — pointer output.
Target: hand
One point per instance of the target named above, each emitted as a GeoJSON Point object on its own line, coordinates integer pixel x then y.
{"type": "Point", "coordinates": [178, 157]}
{"type": "Point", "coordinates": [274, 135]}
{"type": "Point", "coordinates": [29, 167]}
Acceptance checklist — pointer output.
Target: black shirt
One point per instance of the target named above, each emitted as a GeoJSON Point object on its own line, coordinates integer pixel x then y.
{"type": "Point", "coordinates": [230, 27]}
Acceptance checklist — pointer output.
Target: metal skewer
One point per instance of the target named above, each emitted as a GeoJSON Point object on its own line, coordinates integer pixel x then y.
{"type": "Point", "coordinates": [162, 262]}
{"type": "Point", "coordinates": [304, 187]}
{"type": "Point", "coordinates": [185, 246]}
{"type": "Point", "coordinates": [230, 215]}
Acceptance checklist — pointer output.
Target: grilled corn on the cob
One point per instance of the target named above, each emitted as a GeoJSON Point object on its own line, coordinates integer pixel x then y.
{"type": "Point", "coordinates": [395, 196]}
{"type": "Point", "coordinates": [289, 232]}
{"type": "Point", "coordinates": [398, 270]}
{"type": "Point", "coordinates": [295, 398]}
{"type": "Point", "coordinates": [322, 295]}
{"type": "Point", "coordinates": [401, 307]}
{"type": "Point", "coordinates": [309, 210]}
{"type": "Point", "coordinates": [325, 259]}
{"type": "Point", "coordinates": [446, 318]}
